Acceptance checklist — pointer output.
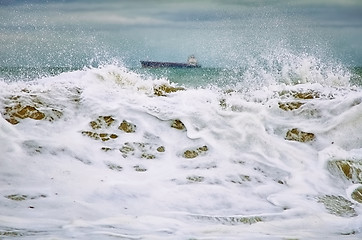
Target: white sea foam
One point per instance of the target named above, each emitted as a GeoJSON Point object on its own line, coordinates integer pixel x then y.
{"type": "Point", "coordinates": [186, 163]}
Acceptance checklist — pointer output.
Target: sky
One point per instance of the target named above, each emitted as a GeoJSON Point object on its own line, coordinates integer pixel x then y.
{"type": "Point", "coordinates": [221, 33]}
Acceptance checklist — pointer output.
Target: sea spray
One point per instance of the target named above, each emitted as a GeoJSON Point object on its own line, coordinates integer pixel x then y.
{"type": "Point", "coordinates": [284, 66]}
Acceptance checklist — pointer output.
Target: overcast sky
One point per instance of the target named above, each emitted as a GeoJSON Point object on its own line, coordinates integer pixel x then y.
{"type": "Point", "coordinates": [219, 32]}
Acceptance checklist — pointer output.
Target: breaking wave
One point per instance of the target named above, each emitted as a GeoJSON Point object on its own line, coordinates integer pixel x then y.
{"type": "Point", "coordinates": [115, 152]}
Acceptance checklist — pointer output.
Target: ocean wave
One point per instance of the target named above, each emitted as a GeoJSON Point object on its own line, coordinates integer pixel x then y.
{"type": "Point", "coordinates": [116, 152]}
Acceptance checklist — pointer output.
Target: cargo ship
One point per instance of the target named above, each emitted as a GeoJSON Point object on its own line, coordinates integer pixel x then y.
{"type": "Point", "coordinates": [191, 63]}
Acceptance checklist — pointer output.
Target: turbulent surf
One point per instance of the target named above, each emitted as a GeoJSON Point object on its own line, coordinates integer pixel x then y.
{"type": "Point", "coordinates": [109, 152]}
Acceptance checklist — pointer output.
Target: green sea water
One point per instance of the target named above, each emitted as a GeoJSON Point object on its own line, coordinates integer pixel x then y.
{"type": "Point", "coordinates": [197, 77]}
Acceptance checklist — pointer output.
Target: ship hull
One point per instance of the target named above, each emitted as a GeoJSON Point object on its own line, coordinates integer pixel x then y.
{"type": "Point", "coordinates": [150, 64]}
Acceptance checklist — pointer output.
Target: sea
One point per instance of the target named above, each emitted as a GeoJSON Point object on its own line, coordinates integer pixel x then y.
{"type": "Point", "coordinates": [267, 149]}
